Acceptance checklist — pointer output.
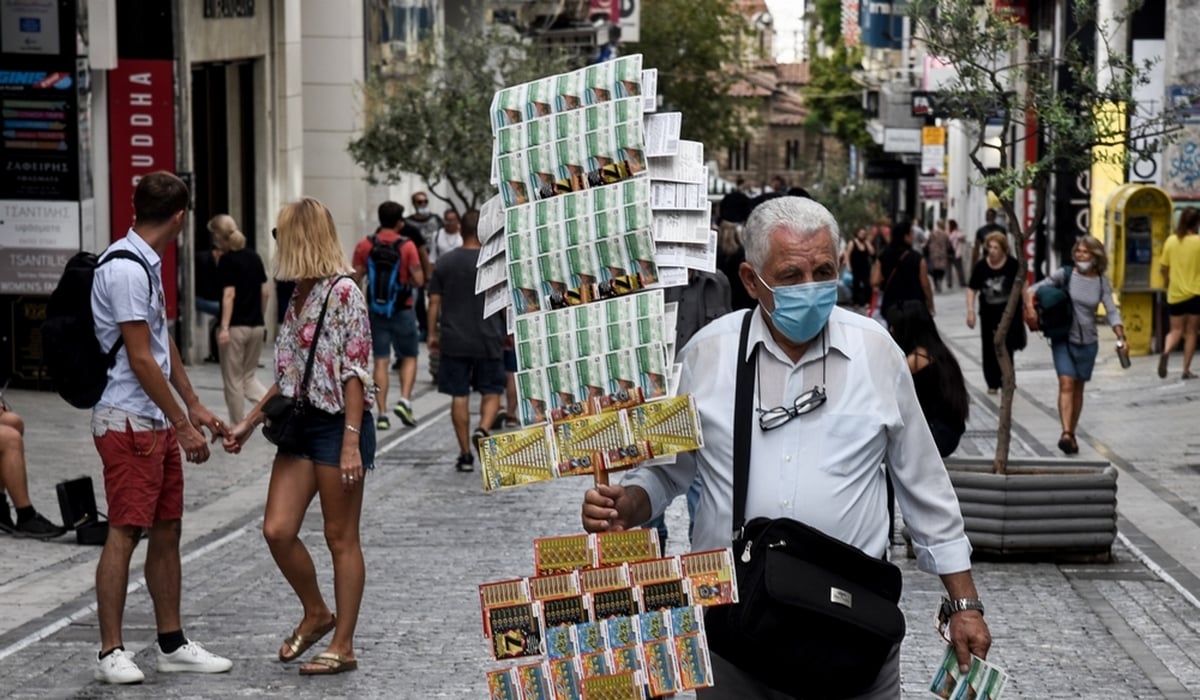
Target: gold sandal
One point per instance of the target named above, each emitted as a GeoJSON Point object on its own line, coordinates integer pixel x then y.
{"type": "Point", "coordinates": [327, 664]}
{"type": "Point", "coordinates": [300, 643]}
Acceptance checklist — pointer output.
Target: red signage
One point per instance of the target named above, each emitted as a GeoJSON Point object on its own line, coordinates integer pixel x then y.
{"type": "Point", "coordinates": [141, 140]}
{"type": "Point", "coordinates": [612, 8]}
{"type": "Point", "coordinates": [1017, 10]}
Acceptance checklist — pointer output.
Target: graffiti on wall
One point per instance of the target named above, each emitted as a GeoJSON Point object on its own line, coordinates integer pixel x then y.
{"type": "Point", "coordinates": [1183, 164]}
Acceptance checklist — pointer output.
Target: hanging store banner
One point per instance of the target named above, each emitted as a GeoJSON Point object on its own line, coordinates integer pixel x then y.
{"type": "Point", "coordinates": [141, 136]}
{"type": "Point", "coordinates": [933, 150]}
{"type": "Point", "coordinates": [882, 24]}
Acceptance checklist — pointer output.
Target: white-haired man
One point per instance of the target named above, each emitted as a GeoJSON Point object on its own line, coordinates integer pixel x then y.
{"type": "Point", "coordinates": [846, 405]}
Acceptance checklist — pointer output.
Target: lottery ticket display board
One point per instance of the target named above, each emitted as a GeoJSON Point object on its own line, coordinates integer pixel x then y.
{"type": "Point", "coordinates": [604, 617]}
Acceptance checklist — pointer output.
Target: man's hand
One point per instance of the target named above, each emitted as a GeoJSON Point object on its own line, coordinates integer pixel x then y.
{"type": "Point", "coordinates": [969, 634]}
{"type": "Point", "coordinates": [192, 442]}
{"type": "Point", "coordinates": [201, 417]}
{"type": "Point", "coordinates": [970, 318]}
{"type": "Point", "coordinates": [432, 341]}
{"type": "Point", "coordinates": [610, 508]}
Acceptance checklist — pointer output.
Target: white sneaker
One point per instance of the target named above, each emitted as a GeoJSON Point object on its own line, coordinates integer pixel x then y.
{"type": "Point", "coordinates": [118, 667]}
{"type": "Point", "coordinates": [192, 658]}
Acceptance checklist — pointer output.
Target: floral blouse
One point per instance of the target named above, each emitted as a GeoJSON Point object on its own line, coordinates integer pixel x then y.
{"type": "Point", "coordinates": [343, 350]}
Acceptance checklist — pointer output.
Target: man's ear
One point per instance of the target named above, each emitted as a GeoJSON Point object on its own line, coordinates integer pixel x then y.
{"type": "Point", "coordinates": [749, 280]}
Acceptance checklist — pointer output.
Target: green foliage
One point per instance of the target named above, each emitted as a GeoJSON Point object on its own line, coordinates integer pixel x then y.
{"type": "Point", "coordinates": [854, 205]}
{"type": "Point", "coordinates": [828, 14]}
{"type": "Point", "coordinates": [435, 121]}
{"type": "Point", "coordinates": [694, 44]}
{"type": "Point", "coordinates": [834, 99]}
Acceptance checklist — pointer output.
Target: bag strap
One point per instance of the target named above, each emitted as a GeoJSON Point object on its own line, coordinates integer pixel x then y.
{"type": "Point", "coordinates": [743, 424]}
{"type": "Point", "coordinates": [743, 412]}
{"type": "Point", "coordinates": [120, 254]}
{"type": "Point", "coordinates": [312, 349]}
{"type": "Point", "coordinates": [895, 269]}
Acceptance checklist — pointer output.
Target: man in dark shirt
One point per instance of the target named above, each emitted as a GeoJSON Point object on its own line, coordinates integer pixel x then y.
{"type": "Point", "coordinates": [982, 233]}
{"type": "Point", "coordinates": [471, 346]}
{"type": "Point", "coordinates": [427, 223]}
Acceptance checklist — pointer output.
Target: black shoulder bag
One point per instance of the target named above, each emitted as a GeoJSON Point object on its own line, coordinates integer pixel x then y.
{"type": "Point", "coordinates": [284, 415]}
{"type": "Point", "coordinates": [817, 618]}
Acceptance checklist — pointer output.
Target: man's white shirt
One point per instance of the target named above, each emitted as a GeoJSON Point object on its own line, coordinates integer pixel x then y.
{"type": "Point", "coordinates": [823, 468]}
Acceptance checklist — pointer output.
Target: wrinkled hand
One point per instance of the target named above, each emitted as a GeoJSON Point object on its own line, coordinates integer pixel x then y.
{"type": "Point", "coordinates": [191, 441]}
{"type": "Point", "coordinates": [201, 417]}
{"type": "Point", "coordinates": [351, 466]}
{"type": "Point", "coordinates": [969, 634]}
{"type": "Point", "coordinates": [607, 509]}
{"type": "Point", "coordinates": [237, 436]}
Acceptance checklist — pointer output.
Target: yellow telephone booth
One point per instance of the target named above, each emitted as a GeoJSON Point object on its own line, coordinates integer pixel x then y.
{"type": "Point", "coordinates": [1137, 221]}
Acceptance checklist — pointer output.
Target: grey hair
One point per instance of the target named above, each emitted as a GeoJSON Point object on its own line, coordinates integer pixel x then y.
{"type": "Point", "coordinates": [800, 215]}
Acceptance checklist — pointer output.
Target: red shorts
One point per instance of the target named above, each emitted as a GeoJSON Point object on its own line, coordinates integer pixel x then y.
{"type": "Point", "coordinates": [143, 476]}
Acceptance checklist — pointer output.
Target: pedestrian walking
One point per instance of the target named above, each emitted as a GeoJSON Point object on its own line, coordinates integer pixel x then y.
{"type": "Point", "coordinates": [244, 293]}
{"type": "Point", "coordinates": [1180, 262]}
{"type": "Point", "coordinates": [900, 273]}
{"type": "Point", "coordinates": [321, 358]}
{"type": "Point", "coordinates": [939, 255]}
{"type": "Point", "coordinates": [957, 245]}
{"type": "Point", "coordinates": [937, 377]}
{"type": "Point", "coordinates": [990, 226]}
{"type": "Point", "coordinates": [859, 257]}
{"type": "Point", "coordinates": [446, 238]}
{"type": "Point", "coordinates": [471, 346]}
{"type": "Point", "coordinates": [139, 430]}
{"type": "Point", "coordinates": [427, 223]}
{"type": "Point", "coordinates": [991, 283]}
{"type": "Point", "coordinates": [391, 265]}
{"type": "Point", "coordinates": [1075, 355]}
{"type": "Point", "coordinates": [796, 457]}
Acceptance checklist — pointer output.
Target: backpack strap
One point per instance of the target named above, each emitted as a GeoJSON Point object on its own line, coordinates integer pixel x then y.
{"type": "Point", "coordinates": [121, 254]}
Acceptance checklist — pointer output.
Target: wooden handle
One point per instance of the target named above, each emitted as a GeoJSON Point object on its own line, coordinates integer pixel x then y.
{"type": "Point", "coordinates": [599, 473]}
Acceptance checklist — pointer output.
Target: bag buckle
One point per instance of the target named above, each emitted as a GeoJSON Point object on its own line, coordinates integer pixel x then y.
{"type": "Point", "coordinates": [837, 596]}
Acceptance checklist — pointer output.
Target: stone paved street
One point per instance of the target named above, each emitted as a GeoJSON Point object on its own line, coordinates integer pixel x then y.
{"type": "Point", "coordinates": [431, 535]}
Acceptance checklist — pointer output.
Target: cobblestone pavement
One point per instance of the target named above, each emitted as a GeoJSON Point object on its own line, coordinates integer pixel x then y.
{"type": "Point", "coordinates": [431, 536]}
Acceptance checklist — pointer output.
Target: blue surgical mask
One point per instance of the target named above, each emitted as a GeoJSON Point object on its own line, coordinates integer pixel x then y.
{"type": "Point", "coordinates": [802, 310]}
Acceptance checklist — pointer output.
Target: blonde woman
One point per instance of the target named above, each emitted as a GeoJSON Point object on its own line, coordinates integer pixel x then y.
{"type": "Point", "coordinates": [338, 436]}
{"type": "Point", "coordinates": [1181, 276]}
{"type": "Point", "coordinates": [1075, 355]}
{"type": "Point", "coordinates": [244, 293]}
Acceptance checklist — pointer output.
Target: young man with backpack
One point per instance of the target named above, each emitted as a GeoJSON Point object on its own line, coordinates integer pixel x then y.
{"type": "Point", "coordinates": [139, 430]}
{"type": "Point", "coordinates": [391, 266]}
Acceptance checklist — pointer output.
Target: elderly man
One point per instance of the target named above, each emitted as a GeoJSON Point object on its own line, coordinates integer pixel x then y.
{"type": "Point", "coordinates": [847, 405]}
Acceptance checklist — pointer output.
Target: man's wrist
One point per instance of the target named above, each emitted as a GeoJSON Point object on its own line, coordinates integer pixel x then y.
{"type": "Point", "coordinates": [952, 606]}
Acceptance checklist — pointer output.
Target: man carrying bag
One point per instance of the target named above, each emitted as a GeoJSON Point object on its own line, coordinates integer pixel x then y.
{"type": "Point", "coordinates": [796, 485]}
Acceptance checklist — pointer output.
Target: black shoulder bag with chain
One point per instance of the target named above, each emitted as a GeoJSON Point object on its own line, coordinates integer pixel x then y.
{"type": "Point", "coordinates": [284, 415]}
{"type": "Point", "coordinates": [817, 618]}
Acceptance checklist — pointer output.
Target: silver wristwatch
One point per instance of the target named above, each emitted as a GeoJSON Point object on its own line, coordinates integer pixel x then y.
{"type": "Point", "coordinates": [956, 605]}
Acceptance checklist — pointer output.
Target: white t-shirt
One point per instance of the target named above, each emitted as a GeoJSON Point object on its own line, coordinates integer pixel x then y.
{"type": "Point", "coordinates": [442, 243]}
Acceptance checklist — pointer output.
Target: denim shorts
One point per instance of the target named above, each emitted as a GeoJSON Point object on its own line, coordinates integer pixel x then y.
{"type": "Point", "coordinates": [323, 438]}
{"type": "Point", "coordinates": [1074, 360]}
{"type": "Point", "coordinates": [399, 332]}
{"type": "Point", "coordinates": [457, 375]}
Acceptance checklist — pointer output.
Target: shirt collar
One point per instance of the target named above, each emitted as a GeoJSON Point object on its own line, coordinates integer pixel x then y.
{"type": "Point", "coordinates": [143, 248]}
{"type": "Point", "coordinates": [760, 333]}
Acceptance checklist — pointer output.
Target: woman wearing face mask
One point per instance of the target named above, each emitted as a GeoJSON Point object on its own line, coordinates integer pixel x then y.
{"type": "Point", "coordinates": [992, 282]}
{"type": "Point", "coordinates": [1075, 356]}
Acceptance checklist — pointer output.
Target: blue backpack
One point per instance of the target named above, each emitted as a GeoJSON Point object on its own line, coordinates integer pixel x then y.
{"type": "Point", "coordinates": [1055, 313]}
{"type": "Point", "coordinates": [384, 289]}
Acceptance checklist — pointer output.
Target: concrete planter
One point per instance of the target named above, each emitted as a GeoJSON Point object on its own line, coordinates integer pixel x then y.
{"type": "Point", "coordinates": [1044, 508]}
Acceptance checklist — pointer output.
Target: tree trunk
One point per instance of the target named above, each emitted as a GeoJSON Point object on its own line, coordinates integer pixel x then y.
{"type": "Point", "coordinates": [1008, 377]}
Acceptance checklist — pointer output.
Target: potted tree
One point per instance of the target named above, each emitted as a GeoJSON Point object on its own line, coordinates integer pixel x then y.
{"type": "Point", "coordinates": [1006, 96]}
